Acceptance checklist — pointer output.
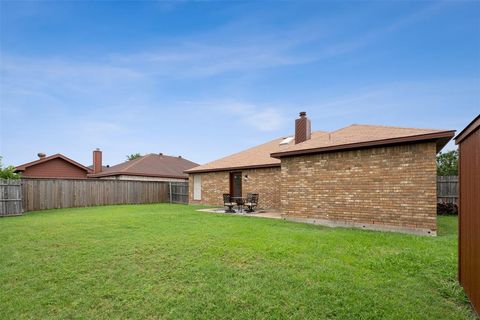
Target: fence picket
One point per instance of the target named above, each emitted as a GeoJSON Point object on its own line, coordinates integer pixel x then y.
{"type": "Point", "coordinates": [40, 194]}
{"type": "Point", "coordinates": [10, 197]}
{"type": "Point", "coordinates": [447, 189]}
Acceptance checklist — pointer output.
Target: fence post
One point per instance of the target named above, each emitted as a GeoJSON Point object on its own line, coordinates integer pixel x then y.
{"type": "Point", "coordinates": [170, 190]}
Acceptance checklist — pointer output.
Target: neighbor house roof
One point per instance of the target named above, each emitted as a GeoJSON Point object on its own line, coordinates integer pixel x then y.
{"type": "Point", "coordinates": [351, 137]}
{"type": "Point", "coordinates": [24, 166]}
{"type": "Point", "coordinates": [103, 167]}
{"type": "Point", "coordinates": [256, 157]}
{"type": "Point", "coordinates": [360, 136]}
{"type": "Point", "coordinates": [151, 165]}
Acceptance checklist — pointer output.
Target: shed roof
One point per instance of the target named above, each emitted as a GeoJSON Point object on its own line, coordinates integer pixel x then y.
{"type": "Point", "coordinates": [470, 128]}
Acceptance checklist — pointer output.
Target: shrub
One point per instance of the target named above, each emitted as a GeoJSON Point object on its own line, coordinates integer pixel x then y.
{"type": "Point", "coordinates": [8, 172]}
{"type": "Point", "coordinates": [447, 209]}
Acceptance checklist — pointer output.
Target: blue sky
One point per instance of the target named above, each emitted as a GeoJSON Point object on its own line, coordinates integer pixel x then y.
{"type": "Point", "coordinates": [206, 79]}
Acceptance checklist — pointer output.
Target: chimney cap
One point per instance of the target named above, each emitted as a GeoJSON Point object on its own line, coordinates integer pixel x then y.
{"type": "Point", "coordinates": [41, 155]}
{"type": "Point", "coordinates": [303, 113]}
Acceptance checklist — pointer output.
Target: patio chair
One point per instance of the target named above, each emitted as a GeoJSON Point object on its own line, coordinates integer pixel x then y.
{"type": "Point", "coordinates": [252, 201]}
{"type": "Point", "coordinates": [227, 202]}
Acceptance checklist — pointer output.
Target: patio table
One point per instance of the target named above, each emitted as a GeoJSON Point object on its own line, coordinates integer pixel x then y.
{"type": "Point", "coordinates": [240, 202]}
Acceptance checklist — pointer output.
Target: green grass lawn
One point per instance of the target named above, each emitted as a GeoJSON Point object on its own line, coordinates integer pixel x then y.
{"type": "Point", "coordinates": [170, 262]}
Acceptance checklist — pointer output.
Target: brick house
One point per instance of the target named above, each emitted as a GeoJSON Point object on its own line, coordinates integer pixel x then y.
{"type": "Point", "coordinates": [151, 167]}
{"type": "Point", "coordinates": [372, 177]}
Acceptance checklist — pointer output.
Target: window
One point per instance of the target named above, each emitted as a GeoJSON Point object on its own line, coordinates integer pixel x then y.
{"type": "Point", "coordinates": [197, 187]}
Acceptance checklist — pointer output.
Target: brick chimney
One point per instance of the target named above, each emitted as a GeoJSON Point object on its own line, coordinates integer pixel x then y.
{"type": "Point", "coordinates": [302, 128]}
{"type": "Point", "coordinates": [97, 161]}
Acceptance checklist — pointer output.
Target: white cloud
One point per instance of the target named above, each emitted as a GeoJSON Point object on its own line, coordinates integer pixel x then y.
{"type": "Point", "coordinates": [254, 116]}
{"type": "Point", "coordinates": [101, 128]}
{"type": "Point", "coordinates": [227, 50]}
{"type": "Point", "coordinates": [125, 90]}
{"type": "Point", "coordinates": [422, 104]}
{"type": "Point", "coordinates": [199, 59]}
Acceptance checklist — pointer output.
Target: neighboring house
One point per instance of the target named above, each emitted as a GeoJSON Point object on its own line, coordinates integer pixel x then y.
{"type": "Point", "coordinates": [373, 177]}
{"type": "Point", "coordinates": [55, 166]}
{"type": "Point", "coordinates": [151, 167]}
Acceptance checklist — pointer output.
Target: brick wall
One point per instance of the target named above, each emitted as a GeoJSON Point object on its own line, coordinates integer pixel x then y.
{"type": "Point", "coordinates": [264, 181]}
{"type": "Point", "coordinates": [214, 185]}
{"type": "Point", "coordinates": [391, 187]}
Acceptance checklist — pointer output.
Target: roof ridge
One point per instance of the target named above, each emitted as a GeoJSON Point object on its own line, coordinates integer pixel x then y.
{"type": "Point", "coordinates": [165, 155]}
{"type": "Point", "coordinates": [437, 135]}
{"type": "Point", "coordinates": [343, 128]}
{"type": "Point", "coordinates": [273, 141]}
{"type": "Point", "coordinates": [48, 158]}
{"type": "Point", "coordinates": [134, 162]}
{"type": "Point", "coordinates": [314, 138]}
{"type": "Point", "coordinates": [27, 164]}
{"type": "Point", "coordinates": [396, 127]}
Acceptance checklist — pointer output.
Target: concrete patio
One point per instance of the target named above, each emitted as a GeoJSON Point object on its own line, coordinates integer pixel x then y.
{"type": "Point", "coordinates": [260, 213]}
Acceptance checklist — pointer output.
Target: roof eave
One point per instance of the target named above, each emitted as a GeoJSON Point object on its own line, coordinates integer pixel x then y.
{"type": "Point", "coordinates": [471, 127]}
{"type": "Point", "coordinates": [441, 138]}
{"type": "Point", "coordinates": [120, 173]}
{"type": "Point", "coordinates": [260, 166]}
{"type": "Point", "coordinates": [24, 166]}
{"type": "Point", "coordinates": [52, 177]}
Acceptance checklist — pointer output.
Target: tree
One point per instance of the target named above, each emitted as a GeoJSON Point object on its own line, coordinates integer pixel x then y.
{"type": "Point", "coordinates": [447, 163]}
{"type": "Point", "coordinates": [134, 156]}
{"type": "Point", "coordinates": [8, 172]}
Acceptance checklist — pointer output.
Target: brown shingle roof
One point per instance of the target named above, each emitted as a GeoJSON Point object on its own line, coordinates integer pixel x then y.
{"type": "Point", "coordinates": [256, 157]}
{"type": "Point", "coordinates": [103, 167]}
{"type": "Point", "coordinates": [151, 165]}
{"type": "Point", "coordinates": [358, 136]}
{"type": "Point", "coordinates": [351, 137]}
{"type": "Point", "coordinates": [23, 167]}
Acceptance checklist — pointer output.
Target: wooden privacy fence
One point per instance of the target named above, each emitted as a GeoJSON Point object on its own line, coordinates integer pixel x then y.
{"type": "Point", "coordinates": [40, 194]}
{"type": "Point", "coordinates": [179, 192]}
{"type": "Point", "coordinates": [447, 189]}
{"type": "Point", "coordinates": [10, 197]}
